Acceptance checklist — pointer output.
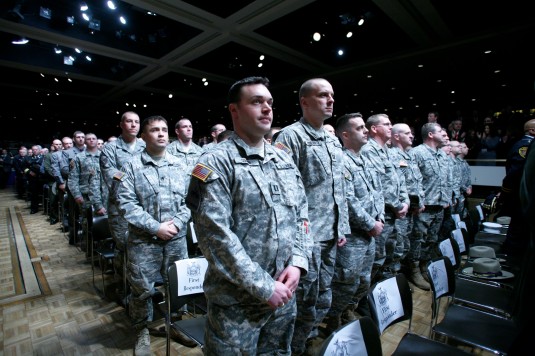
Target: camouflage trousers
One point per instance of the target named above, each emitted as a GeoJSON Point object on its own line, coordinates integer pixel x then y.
{"type": "Point", "coordinates": [249, 329]}
{"type": "Point", "coordinates": [148, 261]}
{"type": "Point", "coordinates": [386, 242]}
{"type": "Point", "coordinates": [405, 234]}
{"type": "Point", "coordinates": [426, 229]}
{"type": "Point", "coordinates": [352, 272]}
{"type": "Point", "coordinates": [119, 233]}
{"type": "Point", "coordinates": [314, 294]}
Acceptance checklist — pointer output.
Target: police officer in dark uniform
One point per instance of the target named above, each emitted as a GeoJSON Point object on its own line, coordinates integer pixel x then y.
{"type": "Point", "coordinates": [509, 198]}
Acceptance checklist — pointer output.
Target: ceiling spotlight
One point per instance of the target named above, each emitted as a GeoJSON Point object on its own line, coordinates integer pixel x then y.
{"type": "Point", "coordinates": [20, 41]}
{"type": "Point", "coordinates": [123, 20]}
{"type": "Point", "coordinates": [83, 6]}
{"type": "Point", "coordinates": [349, 34]}
{"type": "Point", "coordinates": [262, 57]}
{"type": "Point", "coordinates": [205, 84]}
{"type": "Point", "coordinates": [361, 21]}
{"type": "Point", "coordinates": [260, 65]}
{"type": "Point", "coordinates": [57, 50]}
{"type": "Point", "coordinates": [111, 5]}
{"type": "Point", "coordinates": [45, 12]}
{"type": "Point", "coordinates": [85, 16]}
{"type": "Point", "coordinates": [77, 50]}
{"type": "Point", "coordinates": [316, 36]}
{"type": "Point", "coordinates": [340, 52]}
{"type": "Point", "coordinates": [88, 58]}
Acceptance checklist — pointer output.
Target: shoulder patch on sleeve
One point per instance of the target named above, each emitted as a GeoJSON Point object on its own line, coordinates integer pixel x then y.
{"type": "Point", "coordinates": [282, 146]}
{"type": "Point", "coordinates": [72, 164]}
{"type": "Point", "coordinates": [201, 172]}
{"type": "Point", "coordinates": [118, 176]}
{"type": "Point", "coordinates": [522, 151]}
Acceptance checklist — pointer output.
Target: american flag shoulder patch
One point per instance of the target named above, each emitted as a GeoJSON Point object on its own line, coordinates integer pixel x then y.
{"type": "Point", "coordinates": [202, 172]}
{"type": "Point", "coordinates": [118, 176]}
{"type": "Point", "coordinates": [282, 146]}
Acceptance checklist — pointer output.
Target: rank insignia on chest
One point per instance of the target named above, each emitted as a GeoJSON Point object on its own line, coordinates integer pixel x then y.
{"type": "Point", "coordinates": [402, 163]}
{"type": "Point", "coordinates": [201, 171]}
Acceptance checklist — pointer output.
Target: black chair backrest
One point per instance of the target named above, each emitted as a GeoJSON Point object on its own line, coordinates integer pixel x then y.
{"type": "Point", "coordinates": [386, 297]}
{"type": "Point", "coordinates": [100, 229]}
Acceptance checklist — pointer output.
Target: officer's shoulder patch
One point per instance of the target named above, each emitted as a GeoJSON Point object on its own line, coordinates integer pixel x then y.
{"type": "Point", "coordinates": [118, 176]}
{"type": "Point", "coordinates": [522, 151]}
{"type": "Point", "coordinates": [71, 164]}
{"type": "Point", "coordinates": [282, 146]}
{"type": "Point", "coordinates": [202, 172]}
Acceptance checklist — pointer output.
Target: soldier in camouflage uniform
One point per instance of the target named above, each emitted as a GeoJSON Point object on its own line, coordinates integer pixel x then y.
{"type": "Point", "coordinates": [388, 246]}
{"type": "Point", "coordinates": [66, 163]}
{"type": "Point", "coordinates": [85, 165]}
{"type": "Point", "coordinates": [320, 159]}
{"type": "Point", "coordinates": [250, 211]}
{"type": "Point", "coordinates": [112, 158]}
{"type": "Point", "coordinates": [184, 147]}
{"type": "Point", "coordinates": [435, 196]}
{"type": "Point", "coordinates": [448, 167]}
{"type": "Point", "coordinates": [152, 199]}
{"type": "Point", "coordinates": [466, 180]}
{"type": "Point", "coordinates": [354, 260]}
{"type": "Point", "coordinates": [401, 144]}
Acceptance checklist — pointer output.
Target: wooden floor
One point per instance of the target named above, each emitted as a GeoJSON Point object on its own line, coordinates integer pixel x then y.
{"type": "Point", "coordinates": [65, 315]}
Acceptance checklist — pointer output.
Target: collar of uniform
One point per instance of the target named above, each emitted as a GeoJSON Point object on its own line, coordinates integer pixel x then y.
{"type": "Point", "coordinates": [312, 132]}
{"type": "Point", "coordinates": [147, 159]}
{"type": "Point", "coordinates": [250, 152]}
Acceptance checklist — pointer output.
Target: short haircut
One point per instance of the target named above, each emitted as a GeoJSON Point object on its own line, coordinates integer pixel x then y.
{"type": "Point", "coordinates": [374, 120]}
{"type": "Point", "coordinates": [177, 125]}
{"type": "Point", "coordinates": [234, 93]}
{"type": "Point", "coordinates": [342, 122]}
{"type": "Point", "coordinates": [149, 120]}
{"type": "Point", "coordinates": [429, 127]}
{"type": "Point", "coordinates": [223, 135]}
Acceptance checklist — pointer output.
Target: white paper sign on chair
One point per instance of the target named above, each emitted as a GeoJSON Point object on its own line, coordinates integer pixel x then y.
{"type": "Point", "coordinates": [458, 236]}
{"type": "Point", "coordinates": [447, 251]}
{"type": "Point", "coordinates": [439, 277]}
{"type": "Point", "coordinates": [388, 302]}
{"type": "Point", "coordinates": [190, 275]}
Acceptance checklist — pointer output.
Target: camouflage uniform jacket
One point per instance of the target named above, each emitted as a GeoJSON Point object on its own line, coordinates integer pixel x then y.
{"type": "Point", "coordinates": [413, 178]}
{"type": "Point", "coordinates": [85, 165]}
{"type": "Point", "coordinates": [152, 192]}
{"type": "Point", "coordinates": [456, 175]}
{"type": "Point", "coordinates": [112, 158]}
{"type": "Point", "coordinates": [250, 215]}
{"type": "Point", "coordinates": [447, 172]}
{"type": "Point", "coordinates": [364, 194]}
{"type": "Point", "coordinates": [433, 180]}
{"type": "Point", "coordinates": [98, 192]}
{"type": "Point", "coordinates": [466, 175]}
{"type": "Point", "coordinates": [320, 159]}
{"type": "Point", "coordinates": [190, 157]}
{"type": "Point", "coordinates": [66, 157]}
{"type": "Point", "coordinates": [394, 189]}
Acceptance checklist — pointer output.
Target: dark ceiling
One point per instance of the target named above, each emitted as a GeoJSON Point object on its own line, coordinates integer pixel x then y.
{"type": "Point", "coordinates": [409, 57]}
